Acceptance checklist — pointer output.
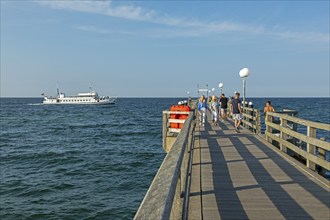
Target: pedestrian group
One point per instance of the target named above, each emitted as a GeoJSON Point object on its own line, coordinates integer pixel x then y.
{"type": "Point", "coordinates": [218, 109]}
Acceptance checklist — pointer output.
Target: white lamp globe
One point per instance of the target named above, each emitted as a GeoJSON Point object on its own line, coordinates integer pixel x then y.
{"type": "Point", "coordinates": [220, 85]}
{"type": "Point", "coordinates": [245, 72]}
{"type": "Point", "coordinates": [213, 89]}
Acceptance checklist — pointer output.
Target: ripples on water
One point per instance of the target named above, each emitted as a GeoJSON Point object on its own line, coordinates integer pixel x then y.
{"type": "Point", "coordinates": [89, 162]}
{"type": "Point", "coordinates": [78, 162]}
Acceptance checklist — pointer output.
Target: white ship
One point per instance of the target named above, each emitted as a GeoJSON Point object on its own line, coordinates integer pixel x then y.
{"type": "Point", "coordinates": [82, 98]}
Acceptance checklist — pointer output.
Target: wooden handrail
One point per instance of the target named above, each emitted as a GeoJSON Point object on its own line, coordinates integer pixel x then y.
{"type": "Point", "coordinates": [304, 122]}
{"type": "Point", "coordinates": [255, 123]}
{"type": "Point", "coordinates": [164, 199]}
{"type": "Point", "coordinates": [309, 138]}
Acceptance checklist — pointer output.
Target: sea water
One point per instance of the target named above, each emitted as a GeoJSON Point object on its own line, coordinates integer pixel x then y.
{"type": "Point", "coordinates": [91, 161]}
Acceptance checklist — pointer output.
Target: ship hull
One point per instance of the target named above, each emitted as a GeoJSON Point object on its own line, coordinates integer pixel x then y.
{"type": "Point", "coordinates": [51, 101]}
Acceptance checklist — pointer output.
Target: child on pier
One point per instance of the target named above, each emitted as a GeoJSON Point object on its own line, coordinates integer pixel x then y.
{"type": "Point", "coordinates": [201, 110]}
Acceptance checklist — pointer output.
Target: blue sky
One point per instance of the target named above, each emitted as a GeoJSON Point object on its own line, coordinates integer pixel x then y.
{"type": "Point", "coordinates": [164, 48]}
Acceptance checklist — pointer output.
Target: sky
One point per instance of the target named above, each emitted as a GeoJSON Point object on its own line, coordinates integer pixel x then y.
{"type": "Point", "coordinates": [165, 48]}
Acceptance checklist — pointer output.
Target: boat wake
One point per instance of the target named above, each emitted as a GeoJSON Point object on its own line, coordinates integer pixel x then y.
{"type": "Point", "coordinates": [35, 104]}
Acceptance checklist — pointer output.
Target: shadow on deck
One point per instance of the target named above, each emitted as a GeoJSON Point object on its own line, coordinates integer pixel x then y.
{"type": "Point", "coordinates": [240, 176]}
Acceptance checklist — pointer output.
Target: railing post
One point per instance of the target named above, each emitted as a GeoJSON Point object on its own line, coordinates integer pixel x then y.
{"type": "Point", "coordinates": [254, 121]}
{"type": "Point", "coordinates": [283, 135]}
{"type": "Point", "coordinates": [258, 118]}
{"type": "Point", "coordinates": [165, 118]}
{"type": "Point", "coordinates": [311, 132]}
{"type": "Point", "coordinates": [243, 116]}
{"type": "Point", "coordinates": [268, 118]}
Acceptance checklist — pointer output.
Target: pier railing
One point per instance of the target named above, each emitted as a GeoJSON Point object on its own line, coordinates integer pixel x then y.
{"type": "Point", "coordinates": [284, 135]}
{"type": "Point", "coordinates": [165, 198]}
{"type": "Point", "coordinates": [251, 119]}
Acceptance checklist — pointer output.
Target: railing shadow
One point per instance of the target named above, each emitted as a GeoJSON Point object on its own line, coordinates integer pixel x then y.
{"type": "Point", "coordinates": [228, 202]}
{"type": "Point", "coordinates": [310, 186]}
{"type": "Point", "coordinates": [277, 195]}
{"type": "Point", "coordinates": [223, 185]}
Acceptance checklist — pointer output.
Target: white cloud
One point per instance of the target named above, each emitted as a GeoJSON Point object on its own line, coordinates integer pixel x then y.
{"type": "Point", "coordinates": [101, 7]}
{"type": "Point", "coordinates": [90, 28]}
{"type": "Point", "coordinates": [140, 14]}
{"type": "Point", "coordinates": [83, 6]}
{"type": "Point", "coordinates": [188, 27]}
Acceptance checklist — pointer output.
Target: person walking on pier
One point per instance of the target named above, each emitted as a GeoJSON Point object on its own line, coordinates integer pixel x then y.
{"type": "Point", "coordinates": [215, 110]}
{"type": "Point", "coordinates": [236, 111]}
{"type": "Point", "coordinates": [202, 110]}
{"type": "Point", "coordinates": [268, 107]}
{"type": "Point", "coordinates": [223, 106]}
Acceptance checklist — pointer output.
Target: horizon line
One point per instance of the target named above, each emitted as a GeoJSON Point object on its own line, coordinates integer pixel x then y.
{"type": "Point", "coordinates": [181, 97]}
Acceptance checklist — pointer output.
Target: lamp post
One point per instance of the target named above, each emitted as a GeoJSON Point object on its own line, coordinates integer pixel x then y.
{"type": "Point", "coordinates": [207, 91]}
{"type": "Point", "coordinates": [220, 86]}
{"type": "Point", "coordinates": [213, 90]}
{"type": "Point", "coordinates": [244, 73]}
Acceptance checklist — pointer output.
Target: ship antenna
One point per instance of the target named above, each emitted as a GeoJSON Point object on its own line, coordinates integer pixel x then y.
{"type": "Point", "coordinates": [58, 90]}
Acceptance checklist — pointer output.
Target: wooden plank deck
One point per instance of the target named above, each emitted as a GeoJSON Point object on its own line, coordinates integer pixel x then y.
{"type": "Point", "coordinates": [240, 176]}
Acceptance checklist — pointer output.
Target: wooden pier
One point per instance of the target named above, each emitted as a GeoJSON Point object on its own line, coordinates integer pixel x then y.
{"type": "Point", "coordinates": [211, 172]}
{"type": "Point", "coordinates": [240, 176]}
